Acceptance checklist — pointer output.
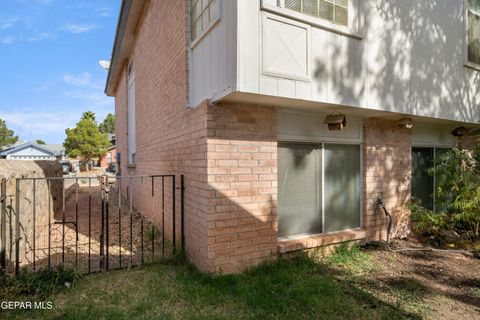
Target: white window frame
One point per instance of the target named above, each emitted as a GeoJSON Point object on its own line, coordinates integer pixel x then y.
{"type": "Point", "coordinates": [131, 144]}
{"type": "Point", "coordinates": [213, 22]}
{"type": "Point", "coordinates": [355, 18]}
{"type": "Point", "coordinates": [468, 64]}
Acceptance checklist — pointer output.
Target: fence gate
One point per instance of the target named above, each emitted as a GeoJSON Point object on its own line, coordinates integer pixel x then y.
{"type": "Point", "coordinates": [89, 223]}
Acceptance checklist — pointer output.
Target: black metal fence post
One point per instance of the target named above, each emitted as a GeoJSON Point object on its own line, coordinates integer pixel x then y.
{"type": "Point", "coordinates": [34, 216]}
{"type": "Point", "coordinates": [17, 227]}
{"type": "Point", "coordinates": [182, 210]}
{"type": "Point", "coordinates": [102, 231]}
{"type": "Point", "coordinates": [3, 224]}
{"type": "Point", "coordinates": [107, 222]}
{"type": "Point", "coordinates": [174, 213]}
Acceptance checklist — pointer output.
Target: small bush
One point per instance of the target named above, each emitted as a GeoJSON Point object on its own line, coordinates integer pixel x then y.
{"type": "Point", "coordinates": [426, 220]}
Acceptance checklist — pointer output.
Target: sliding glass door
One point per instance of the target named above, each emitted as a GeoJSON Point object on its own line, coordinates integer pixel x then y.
{"type": "Point", "coordinates": [423, 183]}
{"type": "Point", "coordinates": [319, 188]}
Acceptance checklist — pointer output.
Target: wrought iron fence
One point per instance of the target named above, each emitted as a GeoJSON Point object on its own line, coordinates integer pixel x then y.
{"type": "Point", "coordinates": [89, 223]}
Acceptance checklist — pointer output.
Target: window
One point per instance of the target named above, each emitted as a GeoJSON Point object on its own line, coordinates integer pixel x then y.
{"type": "Point", "coordinates": [131, 128]}
{"type": "Point", "coordinates": [335, 11]}
{"type": "Point", "coordinates": [319, 188]}
{"type": "Point", "coordinates": [474, 31]}
{"type": "Point", "coordinates": [423, 184]}
{"type": "Point", "coordinates": [203, 14]}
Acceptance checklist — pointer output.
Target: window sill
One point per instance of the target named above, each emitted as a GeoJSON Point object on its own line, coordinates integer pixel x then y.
{"type": "Point", "coordinates": [472, 65]}
{"type": "Point", "coordinates": [313, 241]}
{"type": "Point", "coordinates": [317, 22]}
{"type": "Point", "coordinates": [131, 165]}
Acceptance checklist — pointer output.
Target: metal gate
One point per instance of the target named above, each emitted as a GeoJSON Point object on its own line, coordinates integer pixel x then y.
{"type": "Point", "coordinates": [90, 223]}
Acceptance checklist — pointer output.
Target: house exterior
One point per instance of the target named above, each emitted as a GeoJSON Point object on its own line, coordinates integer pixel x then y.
{"type": "Point", "coordinates": [108, 158]}
{"type": "Point", "coordinates": [241, 97]}
{"type": "Point", "coordinates": [33, 151]}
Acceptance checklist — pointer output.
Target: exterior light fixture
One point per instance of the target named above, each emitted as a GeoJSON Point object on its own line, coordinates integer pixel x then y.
{"type": "Point", "coordinates": [405, 123]}
{"type": "Point", "coordinates": [336, 121]}
{"type": "Point", "coordinates": [459, 132]}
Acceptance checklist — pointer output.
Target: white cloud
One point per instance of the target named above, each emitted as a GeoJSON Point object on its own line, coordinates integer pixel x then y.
{"type": "Point", "coordinates": [104, 12]}
{"type": "Point", "coordinates": [8, 23]}
{"type": "Point", "coordinates": [78, 28]}
{"type": "Point", "coordinates": [39, 37]}
{"type": "Point", "coordinates": [81, 80]}
{"type": "Point", "coordinates": [95, 99]}
{"type": "Point", "coordinates": [39, 123]}
{"type": "Point", "coordinates": [7, 40]}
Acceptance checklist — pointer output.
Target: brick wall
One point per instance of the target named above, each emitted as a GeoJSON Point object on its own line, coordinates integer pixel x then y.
{"type": "Point", "coordinates": [242, 182]}
{"type": "Point", "coordinates": [170, 138]}
{"type": "Point", "coordinates": [387, 172]}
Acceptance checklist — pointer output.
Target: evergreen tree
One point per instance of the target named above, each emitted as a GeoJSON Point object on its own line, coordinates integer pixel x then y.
{"type": "Point", "coordinates": [85, 140]}
{"type": "Point", "coordinates": [7, 136]}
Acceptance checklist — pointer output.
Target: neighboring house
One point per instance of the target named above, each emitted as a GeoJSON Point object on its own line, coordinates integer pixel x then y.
{"type": "Point", "coordinates": [239, 96]}
{"type": "Point", "coordinates": [33, 151]}
{"type": "Point", "coordinates": [108, 158]}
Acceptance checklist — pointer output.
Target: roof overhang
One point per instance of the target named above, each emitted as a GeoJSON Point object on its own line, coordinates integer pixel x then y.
{"type": "Point", "coordinates": [130, 13]}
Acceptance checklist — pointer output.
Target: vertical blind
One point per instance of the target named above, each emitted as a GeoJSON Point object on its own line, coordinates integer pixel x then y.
{"type": "Point", "coordinates": [342, 187]}
{"type": "Point", "coordinates": [299, 189]}
{"type": "Point", "coordinates": [301, 177]}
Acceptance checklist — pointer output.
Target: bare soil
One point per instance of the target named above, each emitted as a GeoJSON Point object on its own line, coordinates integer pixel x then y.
{"type": "Point", "coordinates": [444, 284]}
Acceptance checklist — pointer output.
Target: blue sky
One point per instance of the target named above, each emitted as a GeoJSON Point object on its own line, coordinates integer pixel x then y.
{"type": "Point", "coordinates": [49, 72]}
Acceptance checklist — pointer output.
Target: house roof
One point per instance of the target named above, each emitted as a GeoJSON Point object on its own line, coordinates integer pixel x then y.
{"type": "Point", "coordinates": [124, 38]}
{"type": "Point", "coordinates": [52, 149]}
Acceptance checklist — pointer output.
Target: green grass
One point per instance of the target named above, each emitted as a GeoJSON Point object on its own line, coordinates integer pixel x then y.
{"type": "Point", "coordinates": [298, 288]}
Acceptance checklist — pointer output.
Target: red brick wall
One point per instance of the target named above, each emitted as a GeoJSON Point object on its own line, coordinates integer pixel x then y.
{"type": "Point", "coordinates": [228, 153]}
{"type": "Point", "coordinates": [170, 138]}
{"type": "Point", "coordinates": [387, 163]}
{"type": "Point", "coordinates": [242, 182]}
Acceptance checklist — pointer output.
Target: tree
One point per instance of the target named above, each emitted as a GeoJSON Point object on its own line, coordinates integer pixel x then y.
{"type": "Point", "coordinates": [89, 115]}
{"type": "Point", "coordinates": [7, 136]}
{"type": "Point", "coordinates": [108, 124]}
{"type": "Point", "coordinates": [85, 140]}
{"type": "Point", "coordinates": [40, 141]}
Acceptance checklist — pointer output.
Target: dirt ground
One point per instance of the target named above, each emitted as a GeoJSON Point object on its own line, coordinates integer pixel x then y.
{"type": "Point", "coordinates": [444, 284]}
{"type": "Point", "coordinates": [129, 238]}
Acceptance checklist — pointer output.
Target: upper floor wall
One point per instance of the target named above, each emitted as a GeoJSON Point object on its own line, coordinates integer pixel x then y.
{"type": "Point", "coordinates": [404, 56]}
{"type": "Point", "coordinates": [213, 49]}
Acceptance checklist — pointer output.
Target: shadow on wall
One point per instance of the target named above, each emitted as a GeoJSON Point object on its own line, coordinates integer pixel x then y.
{"type": "Point", "coordinates": [410, 61]}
